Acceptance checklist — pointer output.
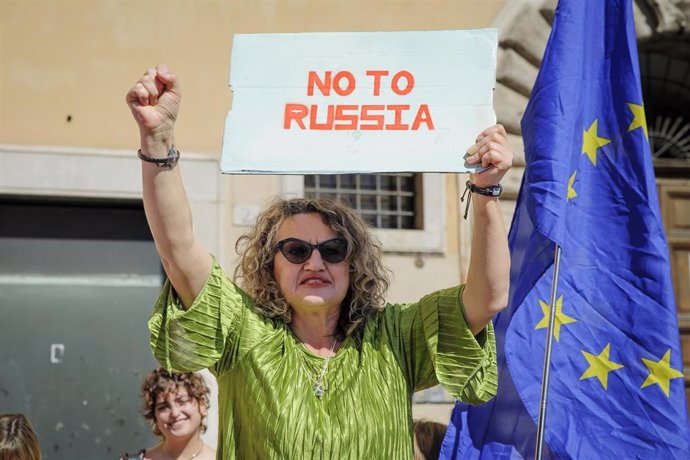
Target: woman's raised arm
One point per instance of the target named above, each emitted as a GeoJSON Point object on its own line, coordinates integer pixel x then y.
{"type": "Point", "coordinates": [488, 276]}
{"type": "Point", "coordinates": [155, 101]}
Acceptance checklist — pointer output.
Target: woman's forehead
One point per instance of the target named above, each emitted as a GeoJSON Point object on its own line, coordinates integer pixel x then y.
{"type": "Point", "coordinates": [172, 391]}
{"type": "Point", "coordinates": [307, 227]}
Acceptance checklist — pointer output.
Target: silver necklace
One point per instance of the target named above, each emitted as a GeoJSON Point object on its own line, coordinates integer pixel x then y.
{"type": "Point", "coordinates": [319, 387]}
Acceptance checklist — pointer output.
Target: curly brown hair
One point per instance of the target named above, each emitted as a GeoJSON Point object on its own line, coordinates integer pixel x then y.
{"type": "Point", "coordinates": [369, 279]}
{"type": "Point", "coordinates": [161, 382]}
{"type": "Point", "coordinates": [18, 439]}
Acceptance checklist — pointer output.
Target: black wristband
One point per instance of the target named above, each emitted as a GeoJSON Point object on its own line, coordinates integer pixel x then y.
{"type": "Point", "coordinates": [165, 163]}
{"type": "Point", "coordinates": [491, 190]}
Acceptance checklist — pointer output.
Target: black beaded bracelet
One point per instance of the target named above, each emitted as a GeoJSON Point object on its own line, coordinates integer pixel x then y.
{"type": "Point", "coordinates": [491, 190]}
{"type": "Point", "coordinates": [165, 163]}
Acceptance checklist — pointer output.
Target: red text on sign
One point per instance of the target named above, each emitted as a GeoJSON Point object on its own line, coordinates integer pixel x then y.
{"type": "Point", "coordinates": [351, 117]}
{"type": "Point", "coordinates": [327, 83]}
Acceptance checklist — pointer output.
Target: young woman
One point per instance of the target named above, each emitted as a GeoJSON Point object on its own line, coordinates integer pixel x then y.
{"type": "Point", "coordinates": [175, 404]}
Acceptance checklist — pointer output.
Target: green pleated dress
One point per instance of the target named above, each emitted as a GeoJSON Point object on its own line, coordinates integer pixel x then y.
{"type": "Point", "coordinates": [267, 406]}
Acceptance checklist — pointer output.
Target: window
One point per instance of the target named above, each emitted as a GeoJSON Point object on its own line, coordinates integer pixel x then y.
{"type": "Point", "coordinates": [665, 75]}
{"type": "Point", "coordinates": [383, 200]}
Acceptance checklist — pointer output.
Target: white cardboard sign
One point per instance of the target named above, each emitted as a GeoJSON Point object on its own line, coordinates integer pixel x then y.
{"type": "Point", "coordinates": [357, 102]}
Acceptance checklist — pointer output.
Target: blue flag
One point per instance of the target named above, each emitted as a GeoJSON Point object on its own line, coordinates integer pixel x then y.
{"type": "Point", "coordinates": [616, 386]}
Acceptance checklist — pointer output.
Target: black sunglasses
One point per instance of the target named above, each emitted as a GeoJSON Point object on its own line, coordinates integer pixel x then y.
{"type": "Point", "coordinates": [297, 251]}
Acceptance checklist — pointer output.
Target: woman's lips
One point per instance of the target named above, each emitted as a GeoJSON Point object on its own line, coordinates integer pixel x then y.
{"type": "Point", "coordinates": [315, 281]}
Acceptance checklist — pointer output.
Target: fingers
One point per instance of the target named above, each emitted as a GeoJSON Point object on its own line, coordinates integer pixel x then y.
{"type": "Point", "coordinates": [137, 95]}
{"type": "Point", "coordinates": [491, 130]}
{"type": "Point", "coordinates": [491, 150]}
{"type": "Point", "coordinates": [487, 152]}
{"type": "Point", "coordinates": [151, 88]}
{"type": "Point", "coordinates": [152, 85]}
{"type": "Point", "coordinates": [155, 101]}
{"type": "Point", "coordinates": [167, 80]}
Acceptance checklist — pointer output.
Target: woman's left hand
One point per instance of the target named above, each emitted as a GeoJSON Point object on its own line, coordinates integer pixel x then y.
{"type": "Point", "coordinates": [491, 150]}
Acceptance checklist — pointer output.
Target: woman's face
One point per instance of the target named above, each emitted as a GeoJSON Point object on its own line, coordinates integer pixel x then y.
{"type": "Point", "coordinates": [313, 285]}
{"type": "Point", "coordinates": [178, 414]}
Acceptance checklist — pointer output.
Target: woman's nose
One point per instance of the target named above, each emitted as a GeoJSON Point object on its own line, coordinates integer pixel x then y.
{"type": "Point", "coordinates": [314, 262]}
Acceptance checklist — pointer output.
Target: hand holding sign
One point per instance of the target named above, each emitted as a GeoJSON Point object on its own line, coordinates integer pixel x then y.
{"type": "Point", "coordinates": [492, 152]}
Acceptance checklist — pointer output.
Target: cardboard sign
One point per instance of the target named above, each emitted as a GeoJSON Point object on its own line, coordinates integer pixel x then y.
{"type": "Point", "coordinates": [313, 103]}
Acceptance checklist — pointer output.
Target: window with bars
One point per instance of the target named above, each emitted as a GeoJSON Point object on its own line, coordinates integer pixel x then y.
{"type": "Point", "coordinates": [391, 201]}
{"type": "Point", "coordinates": [665, 77]}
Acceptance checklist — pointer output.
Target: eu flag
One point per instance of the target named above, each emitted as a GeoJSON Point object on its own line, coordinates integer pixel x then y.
{"type": "Point", "coordinates": [616, 387]}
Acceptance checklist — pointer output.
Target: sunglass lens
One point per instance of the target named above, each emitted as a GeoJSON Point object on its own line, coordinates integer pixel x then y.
{"type": "Point", "coordinates": [334, 251]}
{"type": "Point", "coordinates": [296, 251]}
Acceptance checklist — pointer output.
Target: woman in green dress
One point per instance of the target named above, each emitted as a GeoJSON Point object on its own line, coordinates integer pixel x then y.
{"type": "Point", "coordinates": [310, 362]}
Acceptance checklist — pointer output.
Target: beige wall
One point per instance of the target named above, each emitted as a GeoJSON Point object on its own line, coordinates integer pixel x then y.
{"type": "Point", "coordinates": [78, 57]}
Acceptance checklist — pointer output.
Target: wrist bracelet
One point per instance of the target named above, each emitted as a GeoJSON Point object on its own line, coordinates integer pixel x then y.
{"type": "Point", "coordinates": [491, 190]}
{"type": "Point", "coordinates": [165, 163]}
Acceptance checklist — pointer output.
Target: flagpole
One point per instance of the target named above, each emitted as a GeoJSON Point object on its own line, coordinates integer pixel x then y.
{"type": "Point", "coordinates": [547, 356]}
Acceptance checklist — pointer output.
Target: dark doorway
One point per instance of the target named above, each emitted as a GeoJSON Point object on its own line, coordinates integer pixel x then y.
{"type": "Point", "coordinates": [78, 279]}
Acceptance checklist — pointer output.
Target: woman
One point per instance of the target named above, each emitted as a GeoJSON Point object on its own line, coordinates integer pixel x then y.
{"type": "Point", "coordinates": [175, 404]}
{"type": "Point", "coordinates": [18, 439]}
{"type": "Point", "coordinates": [309, 362]}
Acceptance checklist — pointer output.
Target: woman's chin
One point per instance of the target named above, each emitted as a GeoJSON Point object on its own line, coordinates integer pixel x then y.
{"type": "Point", "coordinates": [313, 305]}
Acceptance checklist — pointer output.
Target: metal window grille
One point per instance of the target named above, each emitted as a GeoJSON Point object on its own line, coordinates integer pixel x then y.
{"type": "Point", "coordinates": [382, 200]}
{"type": "Point", "coordinates": [666, 89]}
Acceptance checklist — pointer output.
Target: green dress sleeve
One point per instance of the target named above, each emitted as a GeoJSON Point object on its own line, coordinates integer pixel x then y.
{"type": "Point", "coordinates": [203, 336]}
{"type": "Point", "coordinates": [439, 347]}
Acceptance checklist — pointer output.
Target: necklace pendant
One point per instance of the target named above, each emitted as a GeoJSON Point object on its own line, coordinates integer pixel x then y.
{"type": "Point", "coordinates": [319, 390]}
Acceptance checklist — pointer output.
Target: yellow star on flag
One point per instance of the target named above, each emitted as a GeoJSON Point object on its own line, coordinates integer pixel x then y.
{"type": "Point", "coordinates": [661, 372]}
{"type": "Point", "coordinates": [639, 119]}
{"type": "Point", "coordinates": [571, 189]}
{"type": "Point", "coordinates": [591, 142]}
{"type": "Point", "coordinates": [600, 365]}
{"type": "Point", "coordinates": [561, 318]}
